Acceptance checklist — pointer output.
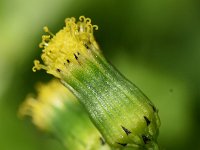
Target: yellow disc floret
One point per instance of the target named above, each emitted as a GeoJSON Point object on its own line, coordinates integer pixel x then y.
{"type": "Point", "coordinates": [68, 48]}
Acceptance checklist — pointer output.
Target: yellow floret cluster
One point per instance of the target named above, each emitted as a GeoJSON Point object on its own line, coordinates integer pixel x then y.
{"type": "Point", "coordinates": [68, 48]}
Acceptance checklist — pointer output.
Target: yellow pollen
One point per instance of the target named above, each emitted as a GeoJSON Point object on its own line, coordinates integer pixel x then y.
{"type": "Point", "coordinates": [71, 45]}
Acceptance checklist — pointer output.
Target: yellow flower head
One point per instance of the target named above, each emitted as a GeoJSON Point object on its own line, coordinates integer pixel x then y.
{"type": "Point", "coordinates": [50, 96]}
{"type": "Point", "coordinates": [56, 111]}
{"type": "Point", "coordinates": [68, 48]}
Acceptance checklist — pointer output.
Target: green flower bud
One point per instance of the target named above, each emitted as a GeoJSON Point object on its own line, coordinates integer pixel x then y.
{"type": "Point", "coordinates": [121, 112]}
{"type": "Point", "coordinates": [56, 111]}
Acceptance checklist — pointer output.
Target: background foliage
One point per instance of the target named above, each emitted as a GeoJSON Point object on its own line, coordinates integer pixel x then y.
{"type": "Point", "coordinates": [156, 44]}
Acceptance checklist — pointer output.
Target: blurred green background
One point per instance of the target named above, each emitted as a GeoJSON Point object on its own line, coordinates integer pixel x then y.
{"type": "Point", "coordinates": [154, 43]}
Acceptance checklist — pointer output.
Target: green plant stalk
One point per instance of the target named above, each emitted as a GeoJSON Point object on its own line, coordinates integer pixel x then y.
{"type": "Point", "coordinates": [121, 112]}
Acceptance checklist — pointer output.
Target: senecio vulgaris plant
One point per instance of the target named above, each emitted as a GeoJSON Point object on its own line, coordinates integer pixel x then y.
{"type": "Point", "coordinates": [121, 112]}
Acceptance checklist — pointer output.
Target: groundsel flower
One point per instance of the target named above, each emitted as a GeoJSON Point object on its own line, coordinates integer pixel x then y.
{"type": "Point", "coordinates": [56, 111]}
{"type": "Point", "coordinates": [121, 112]}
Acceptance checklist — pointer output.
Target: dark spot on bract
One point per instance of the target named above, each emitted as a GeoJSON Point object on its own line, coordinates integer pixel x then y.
{"type": "Point", "coordinates": [153, 107]}
{"type": "Point", "coordinates": [78, 53]}
{"type": "Point", "coordinates": [145, 139]}
{"type": "Point", "coordinates": [86, 46]}
{"type": "Point", "coordinates": [122, 144]}
{"type": "Point", "coordinates": [75, 56]}
{"type": "Point", "coordinates": [68, 61]}
{"type": "Point", "coordinates": [126, 130]}
{"type": "Point", "coordinates": [58, 70]}
{"type": "Point", "coordinates": [147, 120]}
{"type": "Point", "coordinates": [102, 141]}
